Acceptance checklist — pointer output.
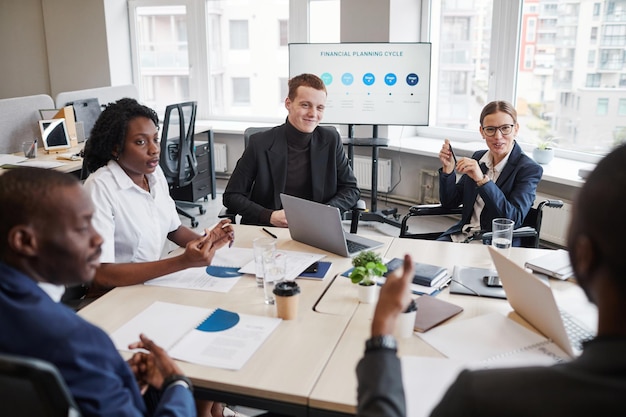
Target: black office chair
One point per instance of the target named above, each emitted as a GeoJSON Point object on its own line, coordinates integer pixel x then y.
{"type": "Point", "coordinates": [32, 387]}
{"type": "Point", "coordinates": [178, 157]}
{"type": "Point", "coordinates": [528, 233]}
{"type": "Point", "coordinates": [355, 212]}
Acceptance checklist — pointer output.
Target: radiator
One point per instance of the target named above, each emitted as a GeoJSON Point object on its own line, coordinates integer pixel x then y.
{"type": "Point", "coordinates": [219, 152]}
{"type": "Point", "coordinates": [363, 172]}
{"type": "Point", "coordinates": [555, 221]}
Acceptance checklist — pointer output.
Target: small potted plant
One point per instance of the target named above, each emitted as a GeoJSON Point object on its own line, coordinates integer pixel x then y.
{"type": "Point", "coordinates": [367, 266]}
{"type": "Point", "coordinates": [544, 151]}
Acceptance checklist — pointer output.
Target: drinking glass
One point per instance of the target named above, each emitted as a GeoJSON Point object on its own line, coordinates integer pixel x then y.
{"type": "Point", "coordinates": [261, 246]}
{"type": "Point", "coordinates": [502, 235]}
{"type": "Point", "coordinates": [274, 268]}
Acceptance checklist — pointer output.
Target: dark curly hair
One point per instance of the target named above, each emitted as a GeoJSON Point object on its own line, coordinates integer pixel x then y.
{"type": "Point", "coordinates": [109, 131]}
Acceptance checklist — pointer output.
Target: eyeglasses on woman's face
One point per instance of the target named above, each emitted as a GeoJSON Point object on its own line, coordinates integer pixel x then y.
{"type": "Point", "coordinates": [504, 129]}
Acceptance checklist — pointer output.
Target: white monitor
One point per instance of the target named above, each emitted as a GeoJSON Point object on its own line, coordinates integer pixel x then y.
{"type": "Point", "coordinates": [54, 135]}
{"type": "Point", "coordinates": [369, 83]}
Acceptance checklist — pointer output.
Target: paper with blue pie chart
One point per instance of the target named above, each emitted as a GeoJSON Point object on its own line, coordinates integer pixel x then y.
{"type": "Point", "coordinates": [221, 276]}
{"type": "Point", "coordinates": [218, 321]}
{"type": "Point", "coordinates": [223, 271]}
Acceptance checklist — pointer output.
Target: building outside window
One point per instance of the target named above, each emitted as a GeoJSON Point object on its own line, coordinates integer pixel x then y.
{"type": "Point", "coordinates": [565, 59]}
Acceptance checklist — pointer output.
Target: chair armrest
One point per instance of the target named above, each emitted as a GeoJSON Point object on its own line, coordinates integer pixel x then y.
{"type": "Point", "coordinates": [433, 210]}
{"type": "Point", "coordinates": [525, 231]}
{"type": "Point", "coordinates": [225, 213]}
{"type": "Point", "coordinates": [360, 206]}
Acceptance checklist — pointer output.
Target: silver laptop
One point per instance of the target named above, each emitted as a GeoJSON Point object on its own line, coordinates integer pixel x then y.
{"type": "Point", "coordinates": [320, 226]}
{"type": "Point", "coordinates": [533, 300]}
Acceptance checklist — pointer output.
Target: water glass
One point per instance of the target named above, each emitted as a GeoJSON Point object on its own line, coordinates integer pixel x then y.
{"type": "Point", "coordinates": [502, 235]}
{"type": "Point", "coordinates": [261, 246]}
{"type": "Point", "coordinates": [274, 268]}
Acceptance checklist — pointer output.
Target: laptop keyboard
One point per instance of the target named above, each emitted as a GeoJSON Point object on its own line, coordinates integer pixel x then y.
{"type": "Point", "coordinates": [354, 246]}
{"type": "Point", "coordinates": [575, 332]}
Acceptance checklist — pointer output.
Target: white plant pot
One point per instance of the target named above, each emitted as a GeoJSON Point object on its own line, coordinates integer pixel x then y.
{"type": "Point", "coordinates": [543, 156]}
{"type": "Point", "coordinates": [367, 293]}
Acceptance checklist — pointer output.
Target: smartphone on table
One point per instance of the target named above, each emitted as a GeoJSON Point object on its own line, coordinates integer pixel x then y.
{"type": "Point", "coordinates": [311, 269]}
{"type": "Point", "coordinates": [492, 281]}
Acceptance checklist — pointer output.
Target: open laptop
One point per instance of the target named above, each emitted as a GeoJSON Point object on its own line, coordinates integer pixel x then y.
{"type": "Point", "coordinates": [320, 226]}
{"type": "Point", "coordinates": [534, 302]}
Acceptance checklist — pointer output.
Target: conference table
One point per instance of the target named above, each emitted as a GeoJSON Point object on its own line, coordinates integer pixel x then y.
{"type": "Point", "coordinates": [307, 366]}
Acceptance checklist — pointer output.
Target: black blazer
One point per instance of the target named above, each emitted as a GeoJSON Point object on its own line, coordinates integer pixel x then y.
{"type": "Point", "coordinates": [254, 188]}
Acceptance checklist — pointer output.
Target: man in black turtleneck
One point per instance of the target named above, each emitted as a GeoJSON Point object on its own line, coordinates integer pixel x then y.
{"type": "Point", "coordinates": [298, 158]}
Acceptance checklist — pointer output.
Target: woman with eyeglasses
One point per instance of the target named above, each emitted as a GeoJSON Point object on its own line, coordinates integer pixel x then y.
{"type": "Point", "coordinates": [498, 182]}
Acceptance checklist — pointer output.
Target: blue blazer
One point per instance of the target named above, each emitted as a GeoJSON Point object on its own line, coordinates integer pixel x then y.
{"type": "Point", "coordinates": [261, 173]}
{"type": "Point", "coordinates": [99, 379]}
{"type": "Point", "coordinates": [511, 196]}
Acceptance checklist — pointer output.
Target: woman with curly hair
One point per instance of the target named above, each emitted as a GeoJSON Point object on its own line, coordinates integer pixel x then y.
{"type": "Point", "coordinates": [134, 211]}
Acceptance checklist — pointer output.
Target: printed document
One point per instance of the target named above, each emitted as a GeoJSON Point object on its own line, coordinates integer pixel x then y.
{"type": "Point", "coordinates": [211, 337]}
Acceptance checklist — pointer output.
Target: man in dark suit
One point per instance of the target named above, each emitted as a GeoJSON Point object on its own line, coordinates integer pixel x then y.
{"type": "Point", "coordinates": [47, 242]}
{"type": "Point", "coordinates": [298, 158]}
{"type": "Point", "coordinates": [592, 384]}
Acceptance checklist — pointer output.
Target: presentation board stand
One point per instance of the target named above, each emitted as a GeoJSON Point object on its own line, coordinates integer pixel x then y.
{"type": "Point", "coordinates": [389, 216]}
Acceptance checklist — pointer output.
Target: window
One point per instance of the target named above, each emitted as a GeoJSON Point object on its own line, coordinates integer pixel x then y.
{"type": "Point", "coordinates": [283, 32]}
{"type": "Point", "coordinates": [238, 34]}
{"type": "Point", "coordinates": [241, 91]}
{"type": "Point", "coordinates": [284, 90]}
{"type": "Point", "coordinates": [621, 110]}
{"type": "Point", "coordinates": [602, 107]}
{"type": "Point", "coordinates": [553, 93]}
{"type": "Point", "coordinates": [162, 54]}
{"type": "Point", "coordinates": [553, 69]}
{"type": "Point", "coordinates": [593, 80]}
{"type": "Point", "coordinates": [591, 58]}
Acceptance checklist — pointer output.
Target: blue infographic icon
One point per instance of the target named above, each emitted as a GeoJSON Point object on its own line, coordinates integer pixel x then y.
{"type": "Point", "coordinates": [412, 79]}
{"type": "Point", "coordinates": [369, 78]}
{"type": "Point", "coordinates": [391, 79]}
{"type": "Point", "coordinates": [327, 78]}
{"type": "Point", "coordinates": [347, 78]}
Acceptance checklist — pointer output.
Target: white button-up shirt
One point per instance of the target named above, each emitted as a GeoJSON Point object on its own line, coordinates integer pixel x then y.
{"type": "Point", "coordinates": [133, 223]}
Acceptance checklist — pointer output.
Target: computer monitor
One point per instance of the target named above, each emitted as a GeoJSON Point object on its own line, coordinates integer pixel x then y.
{"type": "Point", "coordinates": [54, 135]}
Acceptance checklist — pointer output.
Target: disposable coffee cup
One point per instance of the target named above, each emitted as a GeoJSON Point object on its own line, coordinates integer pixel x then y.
{"type": "Point", "coordinates": [406, 322]}
{"type": "Point", "coordinates": [287, 294]}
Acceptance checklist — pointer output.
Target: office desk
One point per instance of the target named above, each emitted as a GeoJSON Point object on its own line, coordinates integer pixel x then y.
{"type": "Point", "coordinates": [337, 396]}
{"type": "Point", "coordinates": [73, 167]}
{"type": "Point", "coordinates": [282, 373]}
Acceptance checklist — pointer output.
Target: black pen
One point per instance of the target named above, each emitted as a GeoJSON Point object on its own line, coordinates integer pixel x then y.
{"type": "Point", "coordinates": [270, 233]}
{"type": "Point", "coordinates": [452, 152]}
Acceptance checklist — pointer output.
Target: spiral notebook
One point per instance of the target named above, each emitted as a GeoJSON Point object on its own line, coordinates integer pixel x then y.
{"type": "Point", "coordinates": [211, 337]}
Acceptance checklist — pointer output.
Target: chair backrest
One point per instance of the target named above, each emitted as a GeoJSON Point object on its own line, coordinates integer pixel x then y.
{"type": "Point", "coordinates": [178, 159]}
{"type": "Point", "coordinates": [32, 387]}
{"type": "Point", "coordinates": [251, 131]}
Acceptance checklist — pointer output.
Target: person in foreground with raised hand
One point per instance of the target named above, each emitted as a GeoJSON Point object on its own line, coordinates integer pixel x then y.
{"type": "Point", "coordinates": [380, 391]}
{"type": "Point", "coordinates": [48, 242]}
{"type": "Point", "coordinates": [593, 384]}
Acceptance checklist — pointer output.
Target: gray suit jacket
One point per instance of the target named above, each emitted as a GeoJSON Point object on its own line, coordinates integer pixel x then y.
{"type": "Point", "coordinates": [592, 385]}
